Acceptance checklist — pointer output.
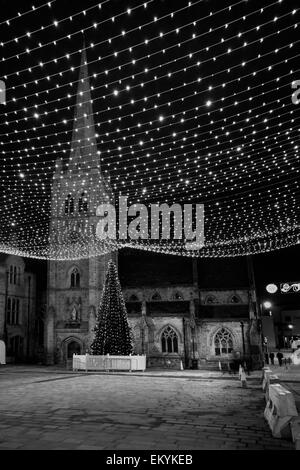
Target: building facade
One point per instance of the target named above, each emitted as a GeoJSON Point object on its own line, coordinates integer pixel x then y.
{"type": "Point", "coordinates": [175, 316]}
{"type": "Point", "coordinates": [18, 305]}
{"type": "Point", "coordinates": [198, 312]}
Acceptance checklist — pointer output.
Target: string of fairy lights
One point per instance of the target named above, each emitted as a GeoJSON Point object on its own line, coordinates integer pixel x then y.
{"type": "Point", "coordinates": [162, 102]}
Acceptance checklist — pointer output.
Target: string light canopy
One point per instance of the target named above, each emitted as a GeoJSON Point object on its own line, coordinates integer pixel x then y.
{"type": "Point", "coordinates": [160, 101]}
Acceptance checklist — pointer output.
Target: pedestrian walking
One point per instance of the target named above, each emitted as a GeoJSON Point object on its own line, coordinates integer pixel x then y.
{"type": "Point", "coordinates": [272, 357]}
{"type": "Point", "coordinates": [279, 356]}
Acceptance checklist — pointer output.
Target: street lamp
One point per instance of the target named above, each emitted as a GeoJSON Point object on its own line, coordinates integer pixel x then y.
{"type": "Point", "coordinates": [267, 304]}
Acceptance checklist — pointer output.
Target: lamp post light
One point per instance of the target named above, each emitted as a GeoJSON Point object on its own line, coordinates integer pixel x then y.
{"type": "Point", "coordinates": [268, 305]}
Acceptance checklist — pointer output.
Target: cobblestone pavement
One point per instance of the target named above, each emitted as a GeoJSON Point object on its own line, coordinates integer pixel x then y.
{"type": "Point", "coordinates": [48, 410]}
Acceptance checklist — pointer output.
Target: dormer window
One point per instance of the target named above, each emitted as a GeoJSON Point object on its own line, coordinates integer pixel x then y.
{"type": "Point", "coordinates": [75, 278]}
{"type": "Point", "coordinates": [133, 298]}
{"type": "Point", "coordinates": [178, 296]}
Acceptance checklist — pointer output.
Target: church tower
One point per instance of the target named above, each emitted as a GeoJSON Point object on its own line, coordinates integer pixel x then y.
{"type": "Point", "coordinates": [76, 270]}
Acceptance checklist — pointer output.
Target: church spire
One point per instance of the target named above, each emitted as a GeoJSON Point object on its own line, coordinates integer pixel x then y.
{"type": "Point", "coordinates": [83, 154]}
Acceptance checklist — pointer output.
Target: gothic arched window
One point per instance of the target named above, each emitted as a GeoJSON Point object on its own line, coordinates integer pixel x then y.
{"type": "Point", "coordinates": [133, 298]}
{"type": "Point", "coordinates": [223, 342]}
{"type": "Point", "coordinates": [15, 275]}
{"type": "Point", "coordinates": [8, 313]}
{"type": "Point", "coordinates": [169, 341]}
{"type": "Point", "coordinates": [156, 296]}
{"type": "Point", "coordinates": [178, 296]}
{"type": "Point", "coordinates": [83, 203]}
{"type": "Point", "coordinates": [69, 205]}
{"type": "Point", "coordinates": [75, 278]}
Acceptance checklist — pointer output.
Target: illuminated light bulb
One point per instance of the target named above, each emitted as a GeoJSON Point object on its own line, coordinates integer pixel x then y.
{"type": "Point", "coordinates": [116, 92]}
{"type": "Point", "coordinates": [161, 118]}
{"type": "Point", "coordinates": [271, 288]}
{"type": "Point", "coordinates": [36, 115]}
{"type": "Point", "coordinates": [208, 103]}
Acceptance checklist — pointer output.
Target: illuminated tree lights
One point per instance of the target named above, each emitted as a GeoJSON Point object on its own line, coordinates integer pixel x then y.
{"type": "Point", "coordinates": [112, 332]}
{"type": "Point", "coordinates": [175, 121]}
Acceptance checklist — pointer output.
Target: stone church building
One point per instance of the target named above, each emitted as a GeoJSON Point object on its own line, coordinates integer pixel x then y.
{"type": "Point", "coordinates": [180, 309]}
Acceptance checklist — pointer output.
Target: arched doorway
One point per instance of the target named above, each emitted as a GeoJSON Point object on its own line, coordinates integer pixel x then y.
{"type": "Point", "coordinates": [73, 348]}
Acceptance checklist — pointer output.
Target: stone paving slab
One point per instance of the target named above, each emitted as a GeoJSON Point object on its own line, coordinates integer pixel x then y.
{"type": "Point", "coordinates": [87, 411]}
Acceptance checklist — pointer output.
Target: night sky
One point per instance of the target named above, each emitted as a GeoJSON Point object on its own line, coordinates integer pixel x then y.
{"type": "Point", "coordinates": [191, 104]}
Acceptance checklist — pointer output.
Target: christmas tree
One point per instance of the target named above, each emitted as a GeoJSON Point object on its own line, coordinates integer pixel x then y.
{"type": "Point", "coordinates": [112, 332]}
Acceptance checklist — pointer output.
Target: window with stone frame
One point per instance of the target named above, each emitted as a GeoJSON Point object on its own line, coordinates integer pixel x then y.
{"type": "Point", "coordinates": [178, 296]}
{"type": "Point", "coordinates": [223, 342]}
{"type": "Point", "coordinates": [156, 297]}
{"type": "Point", "coordinates": [169, 341]}
{"type": "Point", "coordinates": [13, 311]}
{"type": "Point", "coordinates": [211, 299]}
{"type": "Point", "coordinates": [75, 278]}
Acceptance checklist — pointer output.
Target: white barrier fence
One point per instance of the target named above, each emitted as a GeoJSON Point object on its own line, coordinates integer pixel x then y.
{"type": "Point", "coordinates": [280, 410]}
{"type": "Point", "coordinates": [87, 362]}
